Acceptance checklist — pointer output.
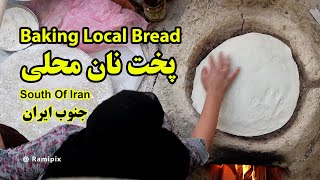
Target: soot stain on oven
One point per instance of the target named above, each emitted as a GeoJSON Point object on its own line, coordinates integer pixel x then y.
{"type": "Point", "coordinates": [224, 155]}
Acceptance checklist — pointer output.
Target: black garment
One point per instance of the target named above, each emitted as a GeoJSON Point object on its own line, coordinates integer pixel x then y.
{"type": "Point", "coordinates": [11, 137]}
{"type": "Point", "coordinates": [124, 138]}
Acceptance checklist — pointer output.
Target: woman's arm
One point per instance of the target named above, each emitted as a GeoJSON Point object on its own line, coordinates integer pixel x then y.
{"type": "Point", "coordinates": [215, 79]}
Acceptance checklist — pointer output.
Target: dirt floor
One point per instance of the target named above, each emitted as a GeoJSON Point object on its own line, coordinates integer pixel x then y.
{"type": "Point", "coordinates": [206, 24]}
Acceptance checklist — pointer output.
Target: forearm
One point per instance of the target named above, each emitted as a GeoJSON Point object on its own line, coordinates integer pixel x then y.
{"type": "Point", "coordinates": [206, 126]}
{"type": "Point", "coordinates": [215, 79]}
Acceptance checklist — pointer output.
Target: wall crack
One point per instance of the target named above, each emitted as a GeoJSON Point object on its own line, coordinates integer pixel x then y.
{"type": "Point", "coordinates": [159, 48]}
{"type": "Point", "coordinates": [241, 14]}
{"type": "Point", "coordinates": [155, 81]}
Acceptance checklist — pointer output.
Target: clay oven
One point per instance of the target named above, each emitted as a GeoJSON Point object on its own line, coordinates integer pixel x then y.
{"type": "Point", "coordinates": [295, 147]}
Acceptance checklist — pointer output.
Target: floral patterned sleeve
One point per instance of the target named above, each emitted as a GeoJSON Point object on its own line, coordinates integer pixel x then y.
{"type": "Point", "coordinates": [197, 147]}
{"type": "Point", "coordinates": [197, 151]}
{"type": "Point", "coordinates": [21, 162]}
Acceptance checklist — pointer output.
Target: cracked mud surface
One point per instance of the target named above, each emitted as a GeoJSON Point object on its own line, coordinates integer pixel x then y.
{"type": "Point", "coordinates": [243, 21]}
{"type": "Point", "coordinates": [206, 24]}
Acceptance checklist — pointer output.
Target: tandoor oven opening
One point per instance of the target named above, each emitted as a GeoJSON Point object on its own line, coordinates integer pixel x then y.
{"type": "Point", "coordinates": [244, 172]}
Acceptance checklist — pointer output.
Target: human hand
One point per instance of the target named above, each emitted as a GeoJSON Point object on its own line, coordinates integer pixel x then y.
{"type": "Point", "coordinates": [216, 78]}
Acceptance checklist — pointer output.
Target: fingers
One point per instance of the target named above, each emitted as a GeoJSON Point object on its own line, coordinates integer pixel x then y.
{"type": "Point", "coordinates": [227, 62]}
{"type": "Point", "coordinates": [224, 63]}
{"type": "Point", "coordinates": [211, 62]}
{"type": "Point", "coordinates": [220, 60]}
{"type": "Point", "coordinates": [204, 72]}
{"type": "Point", "coordinates": [233, 75]}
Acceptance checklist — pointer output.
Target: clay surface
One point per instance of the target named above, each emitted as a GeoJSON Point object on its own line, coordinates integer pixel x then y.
{"type": "Point", "coordinates": [206, 24]}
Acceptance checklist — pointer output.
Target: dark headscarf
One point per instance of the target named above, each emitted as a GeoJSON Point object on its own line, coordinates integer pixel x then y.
{"type": "Point", "coordinates": [124, 138]}
{"type": "Point", "coordinates": [11, 137]}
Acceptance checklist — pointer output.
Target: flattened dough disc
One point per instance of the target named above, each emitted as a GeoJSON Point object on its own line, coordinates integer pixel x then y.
{"type": "Point", "coordinates": [264, 96]}
{"type": "Point", "coordinates": [12, 107]}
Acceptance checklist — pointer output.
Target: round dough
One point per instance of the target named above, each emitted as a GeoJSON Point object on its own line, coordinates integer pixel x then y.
{"type": "Point", "coordinates": [264, 95]}
{"type": "Point", "coordinates": [12, 107]}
